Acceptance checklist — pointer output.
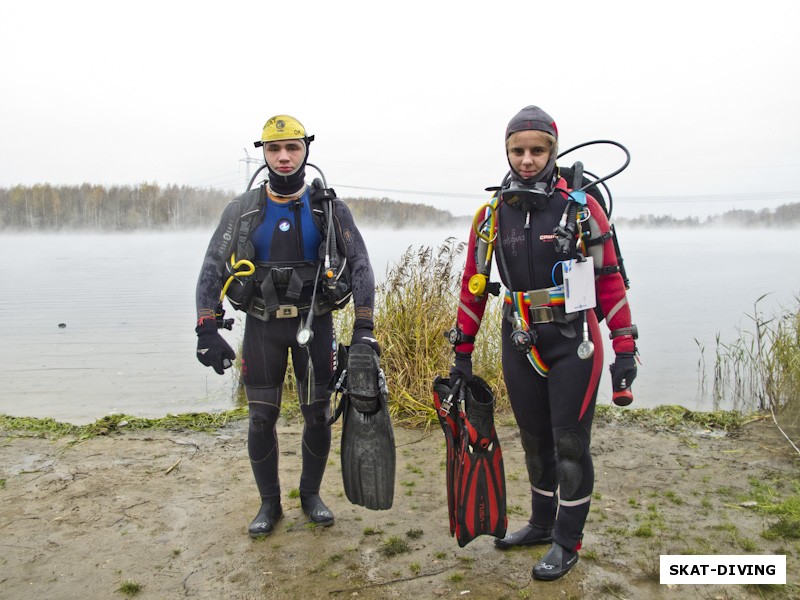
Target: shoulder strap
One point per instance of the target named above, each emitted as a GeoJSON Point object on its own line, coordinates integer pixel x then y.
{"type": "Point", "coordinates": [324, 197]}
{"type": "Point", "coordinates": [250, 213]}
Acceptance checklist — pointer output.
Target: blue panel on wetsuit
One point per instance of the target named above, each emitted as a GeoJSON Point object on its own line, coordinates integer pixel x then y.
{"type": "Point", "coordinates": [579, 197]}
{"type": "Point", "coordinates": [287, 233]}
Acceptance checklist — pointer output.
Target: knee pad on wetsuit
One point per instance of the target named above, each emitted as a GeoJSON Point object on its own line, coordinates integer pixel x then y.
{"type": "Point", "coordinates": [263, 405]}
{"type": "Point", "coordinates": [317, 413]}
{"type": "Point", "coordinates": [570, 473]}
{"type": "Point", "coordinates": [533, 460]}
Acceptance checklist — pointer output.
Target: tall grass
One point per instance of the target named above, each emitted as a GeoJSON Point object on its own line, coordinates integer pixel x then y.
{"type": "Point", "coordinates": [760, 370]}
{"type": "Point", "coordinates": [415, 305]}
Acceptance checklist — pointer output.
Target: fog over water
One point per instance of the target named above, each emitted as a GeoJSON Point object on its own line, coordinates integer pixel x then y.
{"type": "Point", "coordinates": [127, 305]}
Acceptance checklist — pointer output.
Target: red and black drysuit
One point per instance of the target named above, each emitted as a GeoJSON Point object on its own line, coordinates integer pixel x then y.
{"type": "Point", "coordinates": [554, 413]}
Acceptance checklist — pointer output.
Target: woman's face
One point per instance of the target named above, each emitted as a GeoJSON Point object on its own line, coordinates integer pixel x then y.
{"type": "Point", "coordinates": [528, 152]}
{"type": "Point", "coordinates": [286, 156]}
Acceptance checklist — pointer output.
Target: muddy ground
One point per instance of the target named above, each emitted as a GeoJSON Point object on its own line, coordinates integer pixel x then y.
{"type": "Point", "coordinates": [166, 512]}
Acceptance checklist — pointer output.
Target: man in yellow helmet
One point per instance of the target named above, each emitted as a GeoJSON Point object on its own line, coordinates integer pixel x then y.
{"type": "Point", "coordinates": [287, 254]}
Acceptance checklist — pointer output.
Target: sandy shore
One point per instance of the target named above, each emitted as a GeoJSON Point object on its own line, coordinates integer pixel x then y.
{"type": "Point", "coordinates": [167, 511]}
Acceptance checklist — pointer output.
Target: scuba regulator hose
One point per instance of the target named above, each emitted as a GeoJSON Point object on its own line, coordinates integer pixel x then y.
{"type": "Point", "coordinates": [601, 180]}
{"type": "Point", "coordinates": [484, 226]}
{"type": "Point", "coordinates": [250, 268]}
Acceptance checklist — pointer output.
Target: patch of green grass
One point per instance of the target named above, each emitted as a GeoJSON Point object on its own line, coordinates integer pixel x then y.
{"type": "Point", "coordinates": [673, 497]}
{"type": "Point", "coordinates": [746, 544]}
{"type": "Point", "coordinates": [50, 428]}
{"type": "Point", "coordinates": [787, 510]}
{"type": "Point", "coordinates": [393, 546]}
{"type": "Point", "coordinates": [785, 528]}
{"type": "Point", "coordinates": [372, 531]}
{"type": "Point", "coordinates": [129, 587]}
{"type": "Point", "coordinates": [294, 493]}
{"type": "Point", "coordinates": [414, 534]}
{"type": "Point", "coordinates": [645, 531]}
{"type": "Point", "coordinates": [414, 469]}
{"type": "Point", "coordinates": [672, 418]}
{"type": "Point", "coordinates": [456, 577]}
{"type": "Point", "coordinates": [2, 484]}
{"type": "Point", "coordinates": [440, 555]}
{"type": "Point", "coordinates": [415, 568]}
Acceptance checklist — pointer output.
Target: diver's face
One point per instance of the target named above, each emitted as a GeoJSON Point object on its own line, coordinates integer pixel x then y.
{"type": "Point", "coordinates": [528, 152]}
{"type": "Point", "coordinates": [285, 156]}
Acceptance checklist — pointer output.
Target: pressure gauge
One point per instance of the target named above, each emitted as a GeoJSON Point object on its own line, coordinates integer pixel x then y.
{"type": "Point", "coordinates": [585, 350]}
{"type": "Point", "coordinates": [304, 337]}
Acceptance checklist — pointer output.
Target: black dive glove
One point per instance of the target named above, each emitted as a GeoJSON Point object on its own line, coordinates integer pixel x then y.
{"type": "Point", "coordinates": [363, 334]}
{"type": "Point", "coordinates": [212, 349]}
{"type": "Point", "coordinates": [623, 371]}
{"type": "Point", "coordinates": [462, 368]}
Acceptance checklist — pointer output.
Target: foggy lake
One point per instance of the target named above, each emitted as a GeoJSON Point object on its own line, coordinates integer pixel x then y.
{"type": "Point", "coordinates": [126, 306]}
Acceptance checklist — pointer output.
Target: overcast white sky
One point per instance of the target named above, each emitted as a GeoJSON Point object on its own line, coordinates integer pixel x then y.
{"type": "Point", "coordinates": [407, 95]}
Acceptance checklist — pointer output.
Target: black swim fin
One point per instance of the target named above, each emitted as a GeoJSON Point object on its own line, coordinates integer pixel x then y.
{"type": "Point", "coordinates": [367, 449]}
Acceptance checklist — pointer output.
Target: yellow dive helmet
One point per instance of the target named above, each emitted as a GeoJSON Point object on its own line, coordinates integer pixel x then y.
{"type": "Point", "coordinates": [283, 127]}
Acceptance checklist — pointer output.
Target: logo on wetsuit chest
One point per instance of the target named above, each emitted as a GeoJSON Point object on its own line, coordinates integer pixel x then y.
{"type": "Point", "coordinates": [284, 225]}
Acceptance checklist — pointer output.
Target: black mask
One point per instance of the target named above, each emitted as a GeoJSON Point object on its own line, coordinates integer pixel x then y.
{"type": "Point", "coordinates": [527, 197]}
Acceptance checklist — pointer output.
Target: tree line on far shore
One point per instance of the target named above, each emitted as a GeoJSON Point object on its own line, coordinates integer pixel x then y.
{"type": "Point", "coordinates": [785, 215]}
{"type": "Point", "coordinates": [149, 206]}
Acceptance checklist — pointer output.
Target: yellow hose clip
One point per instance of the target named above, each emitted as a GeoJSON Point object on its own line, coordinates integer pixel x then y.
{"type": "Point", "coordinates": [477, 284]}
{"type": "Point", "coordinates": [484, 222]}
{"type": "Point", "coordinates": [249, 269]}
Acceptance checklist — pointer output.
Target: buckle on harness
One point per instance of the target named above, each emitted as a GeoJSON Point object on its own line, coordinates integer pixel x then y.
{"type": "Point", "coordinates": [539, 297]}
{"type": "Point", "coordinates": [258, 309]}
{"type": "Point", "coordinates": [286, 311]}
{"type": "Point", "coordinates": [541, 314]}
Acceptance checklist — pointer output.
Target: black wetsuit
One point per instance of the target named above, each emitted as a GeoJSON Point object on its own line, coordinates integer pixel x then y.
{"type": "Point", "coordinates": [287, 239]}
{"type": "Point", "coordinates": [554, 410]}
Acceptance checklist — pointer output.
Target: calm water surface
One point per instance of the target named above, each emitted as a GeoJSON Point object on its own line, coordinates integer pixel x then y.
{"type": "Point", "coordinates": [127, 303]}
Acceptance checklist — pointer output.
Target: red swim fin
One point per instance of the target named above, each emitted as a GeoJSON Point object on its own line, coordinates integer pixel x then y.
{"type": "Point", "coordinates": [480, 476]}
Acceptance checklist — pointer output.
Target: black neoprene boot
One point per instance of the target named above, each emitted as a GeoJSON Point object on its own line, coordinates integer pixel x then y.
{"type": "Point", "coordinates": [316, 510]}
{"type": "Point", "coordinates": [527, 536]}
{"type": "Point", "coordinates": [268, 516]}
{"type": "Point", "coordinates": [555, 563]}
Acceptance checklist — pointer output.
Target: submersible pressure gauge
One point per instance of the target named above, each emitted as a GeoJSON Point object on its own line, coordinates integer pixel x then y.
{"type": "Point", "coordinates": [304, 337]}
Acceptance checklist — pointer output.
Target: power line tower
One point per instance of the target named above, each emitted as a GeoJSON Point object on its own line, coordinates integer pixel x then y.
{"type": "Point", "coordinates": [247, 161]}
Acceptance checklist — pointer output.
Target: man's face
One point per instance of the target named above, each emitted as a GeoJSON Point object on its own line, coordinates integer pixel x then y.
{"type": "Point", "coordinates": [286, 156]}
